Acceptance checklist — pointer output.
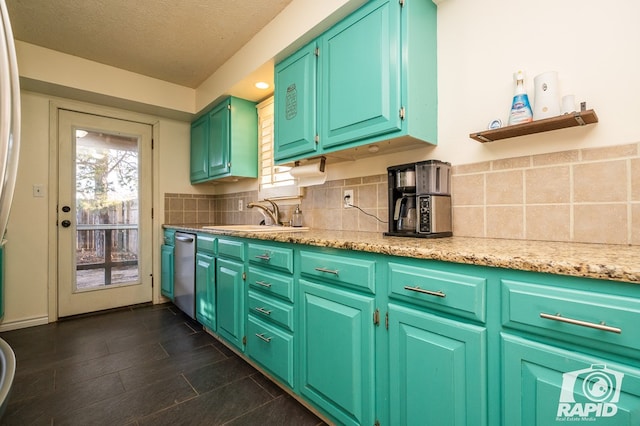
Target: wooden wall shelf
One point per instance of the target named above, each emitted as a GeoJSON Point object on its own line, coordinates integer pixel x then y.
{"type": "Point", "coordinates": [581, 118]}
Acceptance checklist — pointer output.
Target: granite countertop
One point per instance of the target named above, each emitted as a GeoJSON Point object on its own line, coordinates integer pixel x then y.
{"type": "Point", "coordinates": [612, 262]}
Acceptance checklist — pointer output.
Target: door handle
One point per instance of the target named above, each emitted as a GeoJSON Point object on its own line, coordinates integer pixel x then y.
{"type": "Point", "coordinates": [65, 223]}
{"type": "Point", "coordinates": [66, 209]}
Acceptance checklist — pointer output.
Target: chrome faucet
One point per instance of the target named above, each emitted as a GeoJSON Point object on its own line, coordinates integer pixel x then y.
{"type": "Point", "coordinates": [273, 214]}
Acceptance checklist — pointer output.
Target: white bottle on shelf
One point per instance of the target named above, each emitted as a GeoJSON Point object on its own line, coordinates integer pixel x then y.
{"type": "Point", "coordinates": [520, 106]}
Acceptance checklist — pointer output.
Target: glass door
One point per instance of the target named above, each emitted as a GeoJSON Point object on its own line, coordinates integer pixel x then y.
{"type": "Point", "coordinates": [103, 213]}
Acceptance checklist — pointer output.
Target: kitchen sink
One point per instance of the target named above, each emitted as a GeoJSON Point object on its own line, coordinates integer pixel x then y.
{"type": "Point", "coordinates": [256, 228]}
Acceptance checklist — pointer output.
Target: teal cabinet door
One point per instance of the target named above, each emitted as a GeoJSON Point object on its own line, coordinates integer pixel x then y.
{"type": "Point", "coordinates": [360, 75]}
{"type": "Point", "coordinates": [206, 290]}
{"type": "Point", "coordinates": [166, 270]}
{"type": "Point", "coordinates": [545, 385]}
{"type": "Point", "coordinates": [437, 370]}
{"type": "Point", "coordinates": [230, 301]}
{"type": "Point", "coordinates": [295, 103]}
{"type": "Point", "coordinates": [200, 149]}
{"type": "Point", "coordinates": [219, 140]}
{"type": "Point", "coordinates": [337, 352]}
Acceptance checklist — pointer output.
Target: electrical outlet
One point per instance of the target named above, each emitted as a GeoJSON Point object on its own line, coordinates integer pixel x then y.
{"type": "Point", "coordinates": [348, 198]}
{"type": "Point", "coordinates": [240, 205]}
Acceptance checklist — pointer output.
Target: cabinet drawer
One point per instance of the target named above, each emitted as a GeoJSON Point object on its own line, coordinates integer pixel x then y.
{"type": "Point", "coordinates": [272, 348]}
{"type": "Point", "coordinates": [565, 312]}
{"type": "Point", "coordinates": [271, 283]}
{"type": "Point", "coordinates": [169, 237]}
{"type": "Point", "coordinates": [230, 248]}
{"type": "Point", "coordinates": [272, 257]}
{"type": "Point", "coordinates": [270, 309]}
{"type": "Point", "coordinates": [344, 269]}
{"type": "Point", "coordinates": [458, 294]}
{"type": "Point", "coordinates": [206, 243]}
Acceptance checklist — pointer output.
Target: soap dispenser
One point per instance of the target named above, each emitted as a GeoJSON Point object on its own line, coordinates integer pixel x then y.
{"type": "Point", "coordinates": [296, 219]}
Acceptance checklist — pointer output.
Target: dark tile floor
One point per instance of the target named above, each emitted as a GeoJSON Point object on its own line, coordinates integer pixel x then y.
{"type": "Point", "coordinates": [148, 365]}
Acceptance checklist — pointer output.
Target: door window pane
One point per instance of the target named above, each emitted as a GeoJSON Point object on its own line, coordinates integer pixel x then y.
{"type": "Point", "coordinates": [106, 181]}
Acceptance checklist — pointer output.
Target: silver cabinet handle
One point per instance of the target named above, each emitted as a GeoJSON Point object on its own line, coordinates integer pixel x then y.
{"type": "Point", "coordinates": [328, 271]}
{"type": "Point", "coordinates": [261, 337]}
{"type": "Point", "coordinates": [602, 326]}
{"type": "Point", "coordinates": [263, 284]}
{"type": "Point", "coordinates": [263, 311]}
{"type": "Point", "coordinates": [417, 289]}
{"type": "Point", "coordinates": [264, 256]}
{"type": "Point", "coordinates": [184, 239]}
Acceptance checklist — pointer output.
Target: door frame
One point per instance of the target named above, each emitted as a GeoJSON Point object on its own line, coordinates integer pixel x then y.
{"type": "Point", "coordinates": [156, 205]}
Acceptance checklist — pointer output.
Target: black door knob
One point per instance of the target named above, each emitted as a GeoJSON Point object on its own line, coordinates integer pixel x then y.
{"type": "Point", "coordinates": [66, 209]}
{"type": "Point", "coordinates": [66, 223]}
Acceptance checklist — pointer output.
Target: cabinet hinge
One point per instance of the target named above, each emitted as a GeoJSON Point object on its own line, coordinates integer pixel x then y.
{"type": "Point", "coordinates": [401, 3]}
{"type": "Point", "coordinates": [386, 320]}
{"type": "Point", "coordinates": [402, 113]}
{"type": "Point", "coordinates": [317, 51]}
{"type": "Point", "coordinates": [244, 340]}
{"type": "Point", "coordinates": [244, 276]}
{"type": "Point", "coordinates": [376, 317]}
{"type": "Point", "coordinates": [151, 143]}
{"type": "Point", "coordinates": [376, 423]}
{"type": "Point", "coordinates": [151, 212]}
{"type": "Point", "coordinates": [317, 139]}
{"type": "Point", "coordinates": [229, 106]}
{"type": "Point", "coordinates": [151, 280]}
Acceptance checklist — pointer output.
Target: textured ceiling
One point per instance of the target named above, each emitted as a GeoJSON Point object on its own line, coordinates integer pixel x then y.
{"type": "Point", "coordinates": [180, 41]}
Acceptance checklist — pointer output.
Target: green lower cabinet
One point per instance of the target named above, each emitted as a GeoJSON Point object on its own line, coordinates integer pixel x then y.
{"type": "Point", "coordinates": [166, 269]}
{"type": "Point", "coordinates": [272, 348]}
{"type": "Point", "coordinates": [337, 352]}
{"type": "Point", "coordinates": [230, 301]}
{"type": "Point", "coordinates": [206, 290]}
{"type": "Point", "coordinates": [437, 370]}
{"type": "Point", "coordinates": [545, 385]}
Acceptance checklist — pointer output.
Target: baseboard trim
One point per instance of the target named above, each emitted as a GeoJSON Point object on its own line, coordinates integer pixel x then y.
{"type": "Point", "coordinates": [32, 322]}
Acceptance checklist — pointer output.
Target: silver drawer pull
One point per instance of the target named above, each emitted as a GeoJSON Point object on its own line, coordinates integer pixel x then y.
{"type": "Point", "coordinates": [328, 271]}
{"type": "Point", "coordinates": [602, 326]}
{"type": "Point", "coordinates": [261, 337]}
{"type": "Point", "coordinates": [438, 293]}
{"type": "Point", "coordinates": [263, 284]}
{"type": "Point", "coordinates": [264, 256]}
{"type": "Point", "coordinates": [263, 311]}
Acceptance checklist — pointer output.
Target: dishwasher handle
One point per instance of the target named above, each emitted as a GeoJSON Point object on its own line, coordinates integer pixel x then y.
{"type": "Point", "coordinates": [184, 239]}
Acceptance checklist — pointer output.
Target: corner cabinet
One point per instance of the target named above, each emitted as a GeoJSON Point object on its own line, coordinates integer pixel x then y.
{"type": "Point", "coordinates": [224, 142]}
{"type": "Point", "coordinates": [369, 78]}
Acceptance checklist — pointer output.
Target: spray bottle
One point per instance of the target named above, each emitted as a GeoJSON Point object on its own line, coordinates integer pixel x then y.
{"type": "Point", "coordinates": [520, 107]}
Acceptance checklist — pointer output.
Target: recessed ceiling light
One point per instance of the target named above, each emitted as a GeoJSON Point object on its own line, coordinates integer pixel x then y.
{"type": "Point", "coordinates": [262, 85]}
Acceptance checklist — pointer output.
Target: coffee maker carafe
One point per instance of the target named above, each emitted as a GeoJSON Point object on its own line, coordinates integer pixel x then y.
{"type": "Point", "coordinates": [405, 213]}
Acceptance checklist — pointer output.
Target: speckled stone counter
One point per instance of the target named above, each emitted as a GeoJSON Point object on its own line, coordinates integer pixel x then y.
{"type": "Point", "coordinates": [613, 262]}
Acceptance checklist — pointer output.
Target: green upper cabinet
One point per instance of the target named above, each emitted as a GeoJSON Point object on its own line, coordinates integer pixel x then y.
{"type": "Point", "coordinates": [224, 142]}
{"type": "Point", "coordinates": [359, 76]}
{"type": "Point", "coordinates": [295, 99]}
{"type": "Point", "coordinates": [376, 81]}
{"type": "Point", "coordinates": [199, 149]}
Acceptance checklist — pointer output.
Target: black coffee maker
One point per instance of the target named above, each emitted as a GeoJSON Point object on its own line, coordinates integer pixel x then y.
{"type": "Point", "coordinates": [420, 199]}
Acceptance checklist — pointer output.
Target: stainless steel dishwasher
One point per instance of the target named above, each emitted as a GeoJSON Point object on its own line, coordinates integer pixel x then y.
{"type": "Point", "coordinates": [184, 267]}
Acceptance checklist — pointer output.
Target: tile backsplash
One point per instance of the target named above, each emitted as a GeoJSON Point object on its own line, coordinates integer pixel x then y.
{"type": "Point", "coordinates": [585, 195]}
